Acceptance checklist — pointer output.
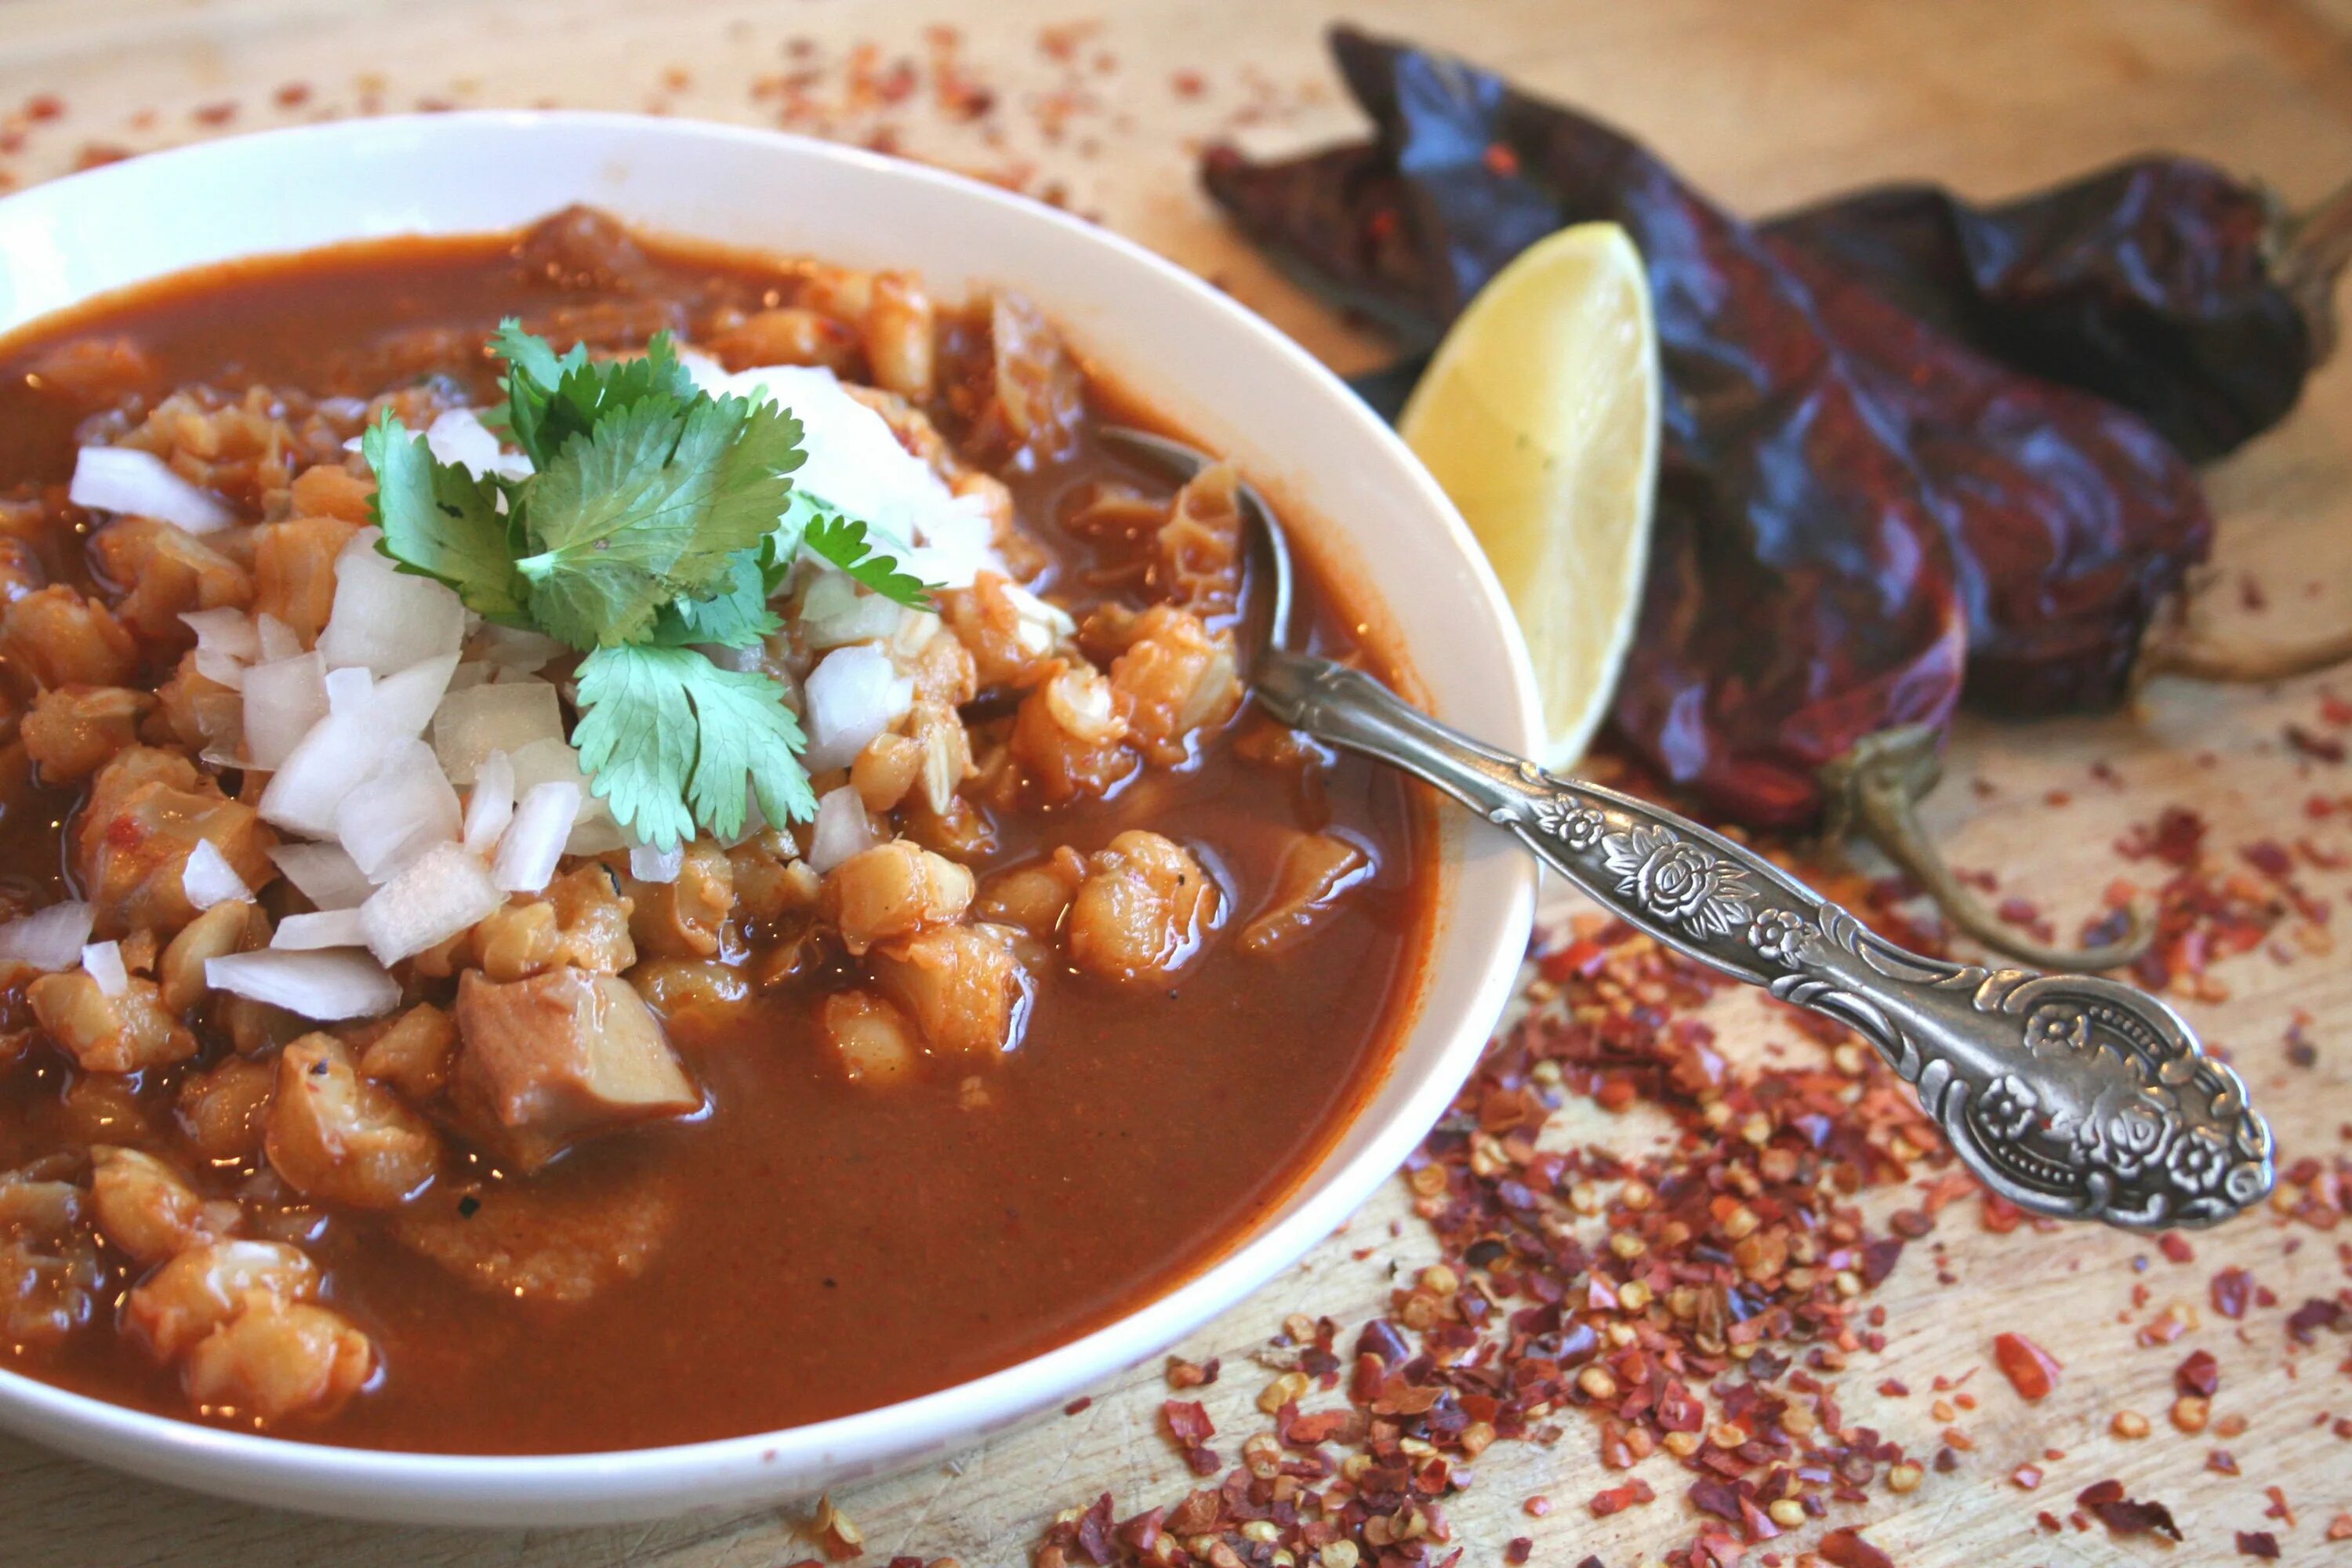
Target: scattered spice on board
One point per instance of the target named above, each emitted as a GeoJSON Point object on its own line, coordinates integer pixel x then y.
{"type": "Point", "coordinates": [1696, 1302]}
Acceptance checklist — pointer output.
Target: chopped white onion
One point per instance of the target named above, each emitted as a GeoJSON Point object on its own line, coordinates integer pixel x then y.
{"type": "Point", "coordinates": [275, 639]}
{"type": "Point", "coordinates": [348, 691]}
{"type": "Point", "coordinates": [229, 632]}
{"type": "Point", "coordinates": [324, 987]}
{"type": "Point", "coordinates": [471, 724]}
{"type": "Point", "coordinates": [328, 928]}
{"type": "Point", "coordinates": [647, 864]}
{"type": "Point", "coordinates": [324, 874]}
{"type": "Point", "coordinates": [332, 758]}
{"type": "Point", "coordinates": [282, 699]}
{"type": "Point", "coordinates": [386, 619]}
{"type": "Point", "coordinates": [48, 939]}
{"type": "Point", "coordinates": [842, 829]}
{"type": "Point", "coordinates": [491, 806]}
{"type": "Point", "coordinates": [102, 962]}
{"type": "Point", "coordinates": [534, 841]}
{"type": "Point", "coordinates": [594, 831]}
{"type": "Point", "coordinates": [459, 436]}
{"type": "Point", "coordinates": [406, 701]}
{"type": "Point", "coordinates": [399, 812]}
{"type": "Point", "coordinates": [516, 648]}
{"type": "Point", "coordinates": [853, 695]}
{"type": "Point", "coordinates": [140, 484]}
{"type": "Point", "coordinates": [216, 665]}
{"type": "Point", "coordinates": [836, 610]}
{"type": "Point", "coordinates": [443, 892]}
{"type": "Point", "coordinates": [208, 878]}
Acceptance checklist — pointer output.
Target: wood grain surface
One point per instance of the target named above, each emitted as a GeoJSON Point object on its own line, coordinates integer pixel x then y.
{"type": "Point", "coordinates": [1765, 104]}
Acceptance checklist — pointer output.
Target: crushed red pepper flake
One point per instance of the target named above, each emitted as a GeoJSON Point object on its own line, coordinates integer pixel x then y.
{"type": "Point", "coordinates": [2258, 1543]}
{"type": "Point", "coordinates": [2030, 1370]}
{"type": "Point", "coordinates": [2122, 1515]}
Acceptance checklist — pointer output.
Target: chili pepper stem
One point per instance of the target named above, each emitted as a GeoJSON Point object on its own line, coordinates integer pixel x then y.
{"type": "Point", "coordinates": [1874, 793]}
{"type": "Point", "coordinates": [2309, 253]}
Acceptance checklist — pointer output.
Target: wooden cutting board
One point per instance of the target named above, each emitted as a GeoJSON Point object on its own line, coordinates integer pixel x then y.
{"type": "Point", "coordinates": [1766, 105]}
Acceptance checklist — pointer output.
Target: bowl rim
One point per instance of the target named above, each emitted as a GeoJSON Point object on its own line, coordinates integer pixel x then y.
{"type": "Point", "coordinates": [475, 1484]}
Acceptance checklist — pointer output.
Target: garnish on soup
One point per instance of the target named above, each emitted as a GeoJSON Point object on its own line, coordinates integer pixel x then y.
{"type": "Point", "coordinates": [648, 517]}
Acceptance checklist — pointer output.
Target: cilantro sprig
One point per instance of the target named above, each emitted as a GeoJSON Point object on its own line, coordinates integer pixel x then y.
{"type": "Point", "coordinates": [658, 519]}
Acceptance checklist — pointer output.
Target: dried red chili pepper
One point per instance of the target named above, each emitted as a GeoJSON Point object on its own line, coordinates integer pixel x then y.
{"type": "Point", "coordinates": [1847, 505]}
{"type": "Point", "coordinates": [2162, 283]}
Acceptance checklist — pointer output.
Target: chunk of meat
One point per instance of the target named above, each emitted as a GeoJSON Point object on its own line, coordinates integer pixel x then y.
{"type": "Point", "coordinates": [204, 1285]}
{"type": "Point", "coordinates": [342, 1138]}
{"type": "Point", "coordinates": [868, 1040]}
{"type": "Point", "coordinates": [894, 889]}
{"type": "Point", "coordinates": [681, 918]}
{"type": "Point", "coordinates": [1032, 897]}
{"type": "Point", "coordinates": [580, 250]}
{"type": "Point", "coordinates": [294, 565]}
{"type": "Point", "coordinates": [1143, 912]}
{"type": "Point", "coordinates": [130, 1032]}
{"type": "Point", "coordinates": [169, 572]}
{"type": "Point", "coordinates": [1179, 678]}
{"type": "Point", "coordinates": [147, 810]}
{"type": "Point", "coordinates": [70, 731]}
{"type": "Point", "coordinates": [416, 1054]}
{"type": "Point", "coordinates": [1070, 735]}
{"type": "Point", "coordinates": [224, 1110]}
{"type": "Point", "coordinates": [541, 1241]}
{"type": "Point", "coordinates": [1317, 871]}
{"type": "Point", "coordinates": [146, 1208]}
{"type": "Point", "coordinates": [277, 1359]}
{"type": "Point", "coordinates": [961, 985]}
{"type": "Point", "coordinates": [51, 1271]}
{"type": "Point", "coordinates": [60, 638]}
{"type": "Point", "coordinates": [559, 1056]}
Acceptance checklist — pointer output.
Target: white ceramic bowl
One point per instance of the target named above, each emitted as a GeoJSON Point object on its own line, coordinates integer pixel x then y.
{"type": "Point", "coordinates": [1217, 370]}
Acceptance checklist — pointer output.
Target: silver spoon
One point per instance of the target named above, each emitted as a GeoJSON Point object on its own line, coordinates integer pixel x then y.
{"type": "Point", "coordinates": [2070, 1095]}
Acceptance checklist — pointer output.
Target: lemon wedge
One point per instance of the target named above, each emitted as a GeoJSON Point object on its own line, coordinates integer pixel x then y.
{"type": "Point", "coordinates": [1538, 416]}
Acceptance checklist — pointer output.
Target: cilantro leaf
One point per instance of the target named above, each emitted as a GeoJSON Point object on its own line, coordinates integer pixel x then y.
{"type": "Point", "coordinates": [671, 740]}
{"type": "Point", "coordinates": [551, 399]}
{"type": "Point", "coordinates": [843, 541]}
{"type": "Point", "coordinates": [440, 522]}
{"type": "Point", "coordinates": [648, 508]}
{"type": "Point", "coordinates": [737, 615]}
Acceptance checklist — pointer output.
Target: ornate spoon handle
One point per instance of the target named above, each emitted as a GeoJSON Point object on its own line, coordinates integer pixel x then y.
{"type": "Point", "coordinates": [2069, 1095]}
